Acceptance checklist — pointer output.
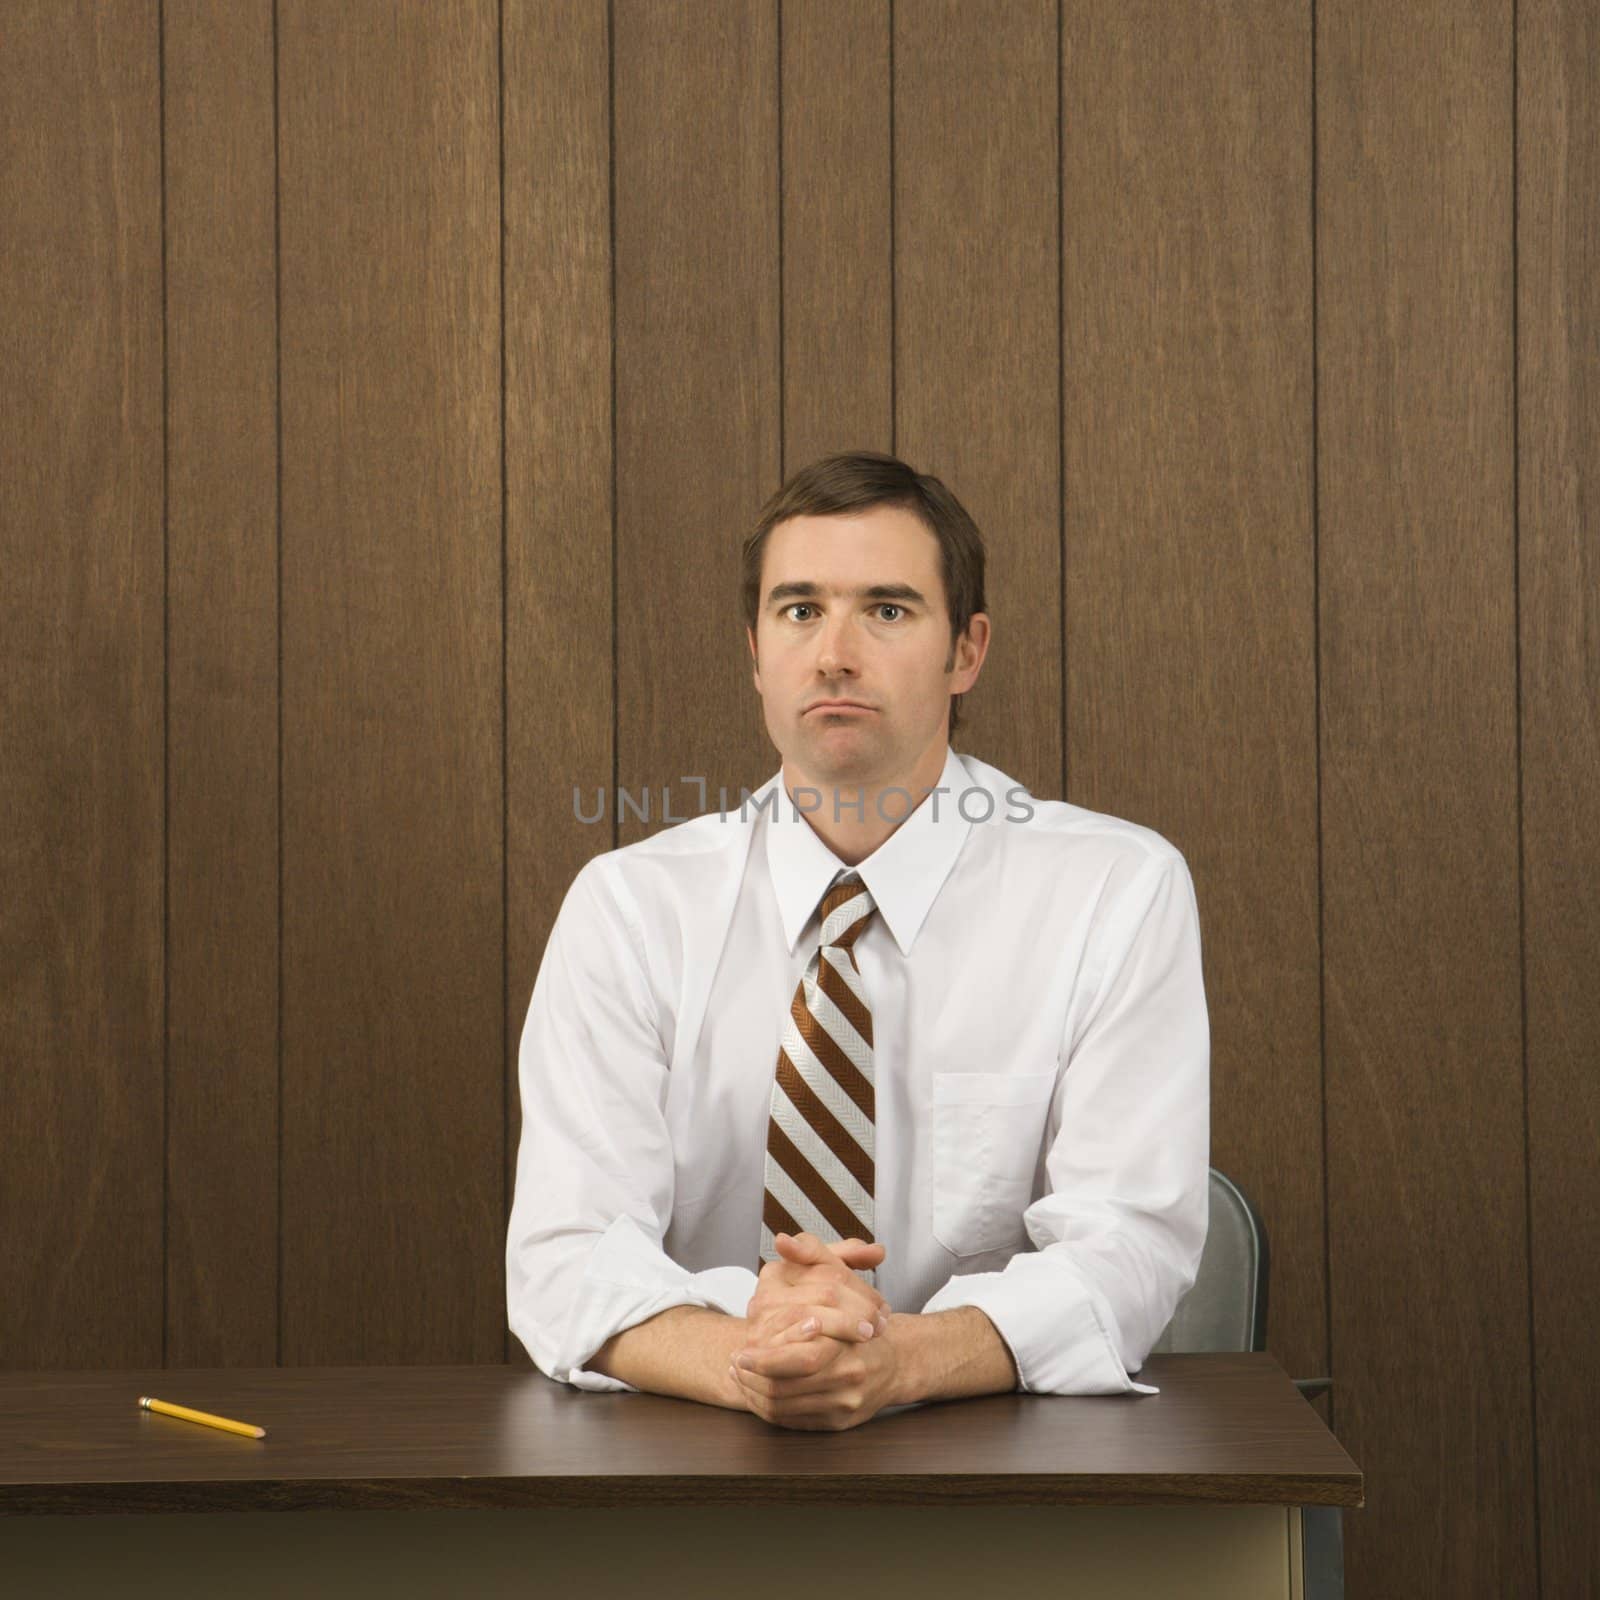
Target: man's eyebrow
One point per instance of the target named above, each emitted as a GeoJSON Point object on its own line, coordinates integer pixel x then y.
{"type": "Point", "coordinates": [876, 591]}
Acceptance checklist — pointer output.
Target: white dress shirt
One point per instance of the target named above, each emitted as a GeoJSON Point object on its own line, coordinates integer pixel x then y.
{"type": "Point", "coordinates": [1041, 1063]}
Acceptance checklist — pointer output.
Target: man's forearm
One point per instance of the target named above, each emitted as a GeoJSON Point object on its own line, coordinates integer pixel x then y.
{"type": "Point", "coordinates": [950, 1355]}
{"type": "Point", "coordinates": [683, 1351]}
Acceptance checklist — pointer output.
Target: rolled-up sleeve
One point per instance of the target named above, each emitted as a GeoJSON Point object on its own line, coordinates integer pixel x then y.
{"type": "Point", "coordinates": [594, 1182]}
{"type": "Point", "coordinates": [1117, 1237]}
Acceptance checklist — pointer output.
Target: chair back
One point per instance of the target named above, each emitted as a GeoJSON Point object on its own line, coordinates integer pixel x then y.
{"type": "Point", "coordinates": [1226, 1306]}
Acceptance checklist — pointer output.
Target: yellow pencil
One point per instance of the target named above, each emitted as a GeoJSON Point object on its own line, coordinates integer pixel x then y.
{"type": "Point", "coordinates": [167, 1409]}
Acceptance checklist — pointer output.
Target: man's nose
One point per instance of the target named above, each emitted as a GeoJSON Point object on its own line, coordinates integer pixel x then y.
{"type": "Point", "coordinates": [836, 655]}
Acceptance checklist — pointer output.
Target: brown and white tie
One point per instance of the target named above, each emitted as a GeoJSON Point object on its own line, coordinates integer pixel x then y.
{"type": "Point", "coordinates": [820, 1147]}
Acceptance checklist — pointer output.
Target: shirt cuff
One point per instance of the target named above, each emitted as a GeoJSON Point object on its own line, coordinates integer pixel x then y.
{"type": "Point", "coordinates": [1055, 1323]}
{"type": "Point", "coordinates": [629, 1279]}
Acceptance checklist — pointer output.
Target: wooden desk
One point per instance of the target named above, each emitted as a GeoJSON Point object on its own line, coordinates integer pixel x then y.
{"type": "Point", "coordinates": [374, 1480]}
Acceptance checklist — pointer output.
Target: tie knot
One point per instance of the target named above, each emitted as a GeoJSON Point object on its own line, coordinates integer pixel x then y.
{"type": "Point", "coordinates": [845, 910]}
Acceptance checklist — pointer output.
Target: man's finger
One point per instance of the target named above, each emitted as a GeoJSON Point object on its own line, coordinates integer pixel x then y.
{"type": "Point", "coordinates": [856, 1254]}
{"type": "Point", "coordinates": [805, 1248]}
{"type": "Point", "coordinates": [805, 1359]}
{"type": "Point", "coordinates": [795, 1324]}
{"type": "Point", "coordinates": [853, 1247]}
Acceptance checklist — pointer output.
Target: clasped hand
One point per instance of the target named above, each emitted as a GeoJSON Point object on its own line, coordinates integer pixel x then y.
{"type": "Point", "coordinates": [816, 1356]}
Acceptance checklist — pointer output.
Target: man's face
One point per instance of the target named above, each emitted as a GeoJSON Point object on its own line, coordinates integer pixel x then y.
{"type": "Point", "coordinates": [852, 608]}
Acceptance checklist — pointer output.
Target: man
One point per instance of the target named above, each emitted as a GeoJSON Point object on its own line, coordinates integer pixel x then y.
{"type": "Point", "coordinates": [892, 1085]}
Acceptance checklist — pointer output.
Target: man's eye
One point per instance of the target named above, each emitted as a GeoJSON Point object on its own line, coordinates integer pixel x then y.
{"type": "Point", "coordinates": [805, 605]}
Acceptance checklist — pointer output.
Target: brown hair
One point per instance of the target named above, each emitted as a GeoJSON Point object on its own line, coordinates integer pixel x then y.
{"type": "Point", "coordinates": [859, 479]}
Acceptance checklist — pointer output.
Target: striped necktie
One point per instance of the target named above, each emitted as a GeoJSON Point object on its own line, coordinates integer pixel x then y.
{"type": "Point", "coordinates": [819, 1176]}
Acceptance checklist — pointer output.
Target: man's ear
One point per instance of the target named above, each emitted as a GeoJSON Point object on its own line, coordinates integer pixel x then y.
{"type": "Point", "coordinates": [755, 663]}
{"type": "Point", "coordinates": [974, 645]}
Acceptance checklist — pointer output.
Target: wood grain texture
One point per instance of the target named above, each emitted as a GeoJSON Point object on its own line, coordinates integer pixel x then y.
{"type": "Point", "coordinates": [838, 357]}
{"type": "Point", "coordinates": [393, 963]}
{"type": "Point", "coordinates": [977, 338]}
{"type": "Point", "coordinates": [1190, 570]}
{"type": "Point", "coordinates": [696, 240]}
{"type": "Point", "coordinates": [1429, 1267]}
{"type": "Point", "coordinates": [1558, 415]}
{"type": "Point", "coordinates": [81, 695]}
{"type": "Point", "coordinates": [559, 642]}
{"type": "Point", "coordinates": [1226, 1429]}
{"type": "Point", "coordinates": [222, 655]}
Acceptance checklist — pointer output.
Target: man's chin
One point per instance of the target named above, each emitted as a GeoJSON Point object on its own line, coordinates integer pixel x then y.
{"type": "Point", "coordinates": [851, 756]}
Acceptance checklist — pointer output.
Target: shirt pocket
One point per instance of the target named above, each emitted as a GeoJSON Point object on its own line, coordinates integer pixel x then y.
{"type": "Point", "coordinates": [988, 1128]}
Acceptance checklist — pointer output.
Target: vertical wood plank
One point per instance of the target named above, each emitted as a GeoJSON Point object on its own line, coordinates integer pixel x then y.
{"type": "Point", "coordinates": [393, 962]}
{"type": "Point", "coordinates": [1429, 1265]}
{"type": "Point", "coordinates": [559, 643]}
{"type": "Point", "coordinates": [1190, 599]}
{"type": "Point", "coordinates": [697, 389]}
{"type": "Point", "coordinates": [838, 357]}
{"type": "Point", "coordinates": [222, 648]}
{"type": "Point", "coordinates": [977, 337]}
{"type": "Point", "coordinates": [1558, 407]}
{"type": "Point", "coordinates": [81, 690]}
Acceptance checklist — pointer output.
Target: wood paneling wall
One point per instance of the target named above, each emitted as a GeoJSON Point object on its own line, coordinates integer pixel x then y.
{"type": "Point", "coordinates": [222, 1152]}
{"type": "Point", "coordinates": [386, 389]}
{"type": "Point", "coordinates": [392, 684]}
{"type": "Point", "coordinates": [1556, 484]}
{"type": "Point", "coordinates": [1190, 540]}
{"type": "Point", "coordinates": [1416, 573]}
{"type": "Point", "coordinates": [83, 901]}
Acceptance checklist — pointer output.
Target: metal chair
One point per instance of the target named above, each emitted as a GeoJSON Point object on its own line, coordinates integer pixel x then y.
{"type": "Point", "coordinates": [1226, 1309]}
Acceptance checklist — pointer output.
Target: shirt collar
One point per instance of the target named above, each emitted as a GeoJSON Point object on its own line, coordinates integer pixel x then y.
{"type": "Point", "coordinates": [903, 875]}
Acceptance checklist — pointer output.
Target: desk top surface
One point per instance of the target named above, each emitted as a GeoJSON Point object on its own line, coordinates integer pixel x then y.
{"type": "Point", "coordinates": [1225, 1429]}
